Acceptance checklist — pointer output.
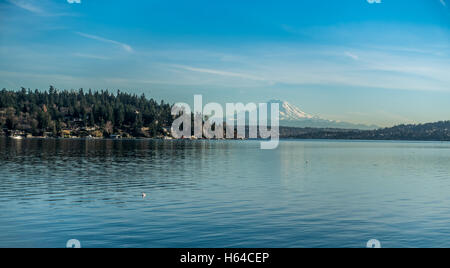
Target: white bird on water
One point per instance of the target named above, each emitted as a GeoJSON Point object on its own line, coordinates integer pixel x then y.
{"type": "Point", "coordinates": [144, 195]}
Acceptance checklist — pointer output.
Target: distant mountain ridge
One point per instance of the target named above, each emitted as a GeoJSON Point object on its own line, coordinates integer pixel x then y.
{"type": "Point", "coordinates": [293, 116]}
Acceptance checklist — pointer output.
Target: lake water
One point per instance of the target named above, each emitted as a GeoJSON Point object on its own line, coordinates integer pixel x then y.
{"type": "Point", "coordinates": [223, 194]}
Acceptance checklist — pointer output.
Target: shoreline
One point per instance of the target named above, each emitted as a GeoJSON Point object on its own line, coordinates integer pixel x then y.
{"type": "Point", "coordinates": [209, 140]}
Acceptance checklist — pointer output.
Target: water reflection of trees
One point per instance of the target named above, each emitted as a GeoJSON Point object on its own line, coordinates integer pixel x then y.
{"type": "Point", "coordinates": [111, 170]}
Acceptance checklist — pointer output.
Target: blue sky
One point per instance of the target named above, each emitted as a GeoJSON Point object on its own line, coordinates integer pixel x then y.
{"type": "Point", "coordinates": [375, 63]}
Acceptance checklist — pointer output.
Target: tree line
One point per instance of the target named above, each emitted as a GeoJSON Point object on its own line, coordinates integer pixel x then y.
{"type": "Point", "coordinates": [103, 113]}
{"type": "Point", "coordinates": [438, 131]}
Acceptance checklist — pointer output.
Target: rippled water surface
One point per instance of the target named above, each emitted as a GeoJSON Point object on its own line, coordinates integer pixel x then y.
{"type": "Point", "coordinates": [223, 194]}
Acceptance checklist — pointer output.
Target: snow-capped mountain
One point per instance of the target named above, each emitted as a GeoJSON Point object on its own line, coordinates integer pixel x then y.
{"type": "Point", "coordinates": [290, 112]}
{"type": "Point", "coordinates": [292, 116]}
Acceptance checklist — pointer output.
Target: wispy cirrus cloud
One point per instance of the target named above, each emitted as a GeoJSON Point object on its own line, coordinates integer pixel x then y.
{"type": "Point", "coordinates": [124, 46]}
{"type": "Point", "coordinates": [42, 8]}
{"type": "Point", "coordinates": [218, 72]}
{"type": "Point", "coordinates": [325, 66]}
{"type": "Point", "coordinates": [352, 55]}
{"type": "Point", "coordinates": [443, 3]}
{"type": "Point", "coordinates": [27, 5]}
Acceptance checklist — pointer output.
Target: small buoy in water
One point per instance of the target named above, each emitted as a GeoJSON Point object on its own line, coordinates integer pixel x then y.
{"type": "Point", "coordinates": [144, 195]}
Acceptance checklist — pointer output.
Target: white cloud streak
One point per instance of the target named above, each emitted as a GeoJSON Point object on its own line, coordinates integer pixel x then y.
{"type": "Point", "coordinates": [27, 5]}
{"type": "Point", "coordinates": [125, 47]}
{"type": "Point", "coordinates": [218, 72]}
{"type": "Point", "coordinates": [368, 68]}
{"type": "Point", "coordinates": [443, 3]}
{"type": "Point", "coordinates": [352, 56]}
{"type": "Point", "coordinates": [41, 8]}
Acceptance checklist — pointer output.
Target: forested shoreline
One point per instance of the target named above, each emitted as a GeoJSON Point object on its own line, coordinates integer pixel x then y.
{"type": "Point", "coordinates": [103, 114]}
{"type": "Point", "coordinates": [438, 131]}
{"type": "Point", "coordinates": [99, 114]}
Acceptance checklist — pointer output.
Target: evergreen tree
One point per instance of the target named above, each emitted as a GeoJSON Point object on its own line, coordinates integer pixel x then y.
{"type": "Point", "coordinates": [54, 110]}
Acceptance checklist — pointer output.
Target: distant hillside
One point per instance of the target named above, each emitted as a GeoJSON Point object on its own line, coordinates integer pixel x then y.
{"type": "Point", "coordinates": [439, 131]}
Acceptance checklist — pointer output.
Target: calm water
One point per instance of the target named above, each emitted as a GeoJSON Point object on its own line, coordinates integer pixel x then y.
{"type": "Point", "coordinates": [223, 194]}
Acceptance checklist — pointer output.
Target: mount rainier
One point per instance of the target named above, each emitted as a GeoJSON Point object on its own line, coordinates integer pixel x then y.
{"type": "Point", "coordinates": [292, 116]}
